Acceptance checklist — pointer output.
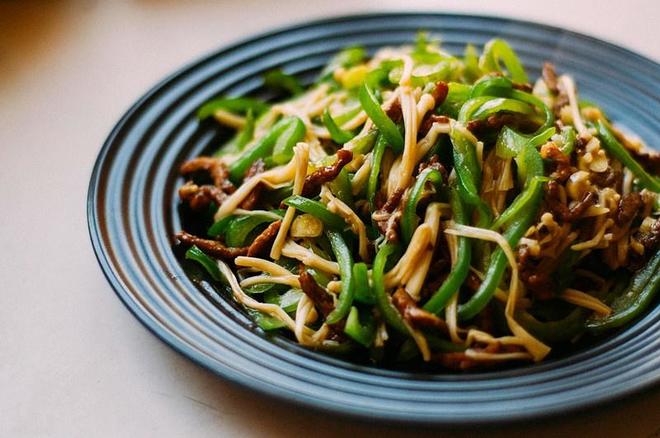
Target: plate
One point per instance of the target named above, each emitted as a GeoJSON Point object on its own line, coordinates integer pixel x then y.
{"type": "Point", "coordinates": [132, 213]}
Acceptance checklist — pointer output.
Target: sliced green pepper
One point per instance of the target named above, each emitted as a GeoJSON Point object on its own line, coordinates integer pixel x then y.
{"type": "Point", "coordinates": [388, 312]}
{"type": "Point", "coordinates": [347, 57]}
{"type": "Point", "coordinates": [409, 219]}
{"type": "Point", "coordinates": [522, 202]}
{"type": "Point", "coordinates": [279, 80]}
{"type": "Point", "coordinates": [238, 230]}
{"type": "Point", "coordinates": [612, 145]}
{"type": "Point", "coordinates": [345, 260]}
{"type": "Point", "coordinates": [288, 301]}
{"type": "Point", "coordinates": [283, 148]}
{"type": "Point", "coordinates": [562, 330]}
{"type": "Point", "coordinates": [265, 145]}
{"type": "Point", "coordinates": [497, 50]}
{"type": "Point", "coordinates": [363, 292]}
{"type": "Point", "coordinates": [265, 322]}
{"type": "Point", "coordinates": [377, 160]}
{"type": "Point", "coordinates": [461, 268]}
{"type": "Point", "coordinates": [569, 136]}
{"type": "Point", "coordinates": [316, 209]}
{"type": "Point", "coordinates": [341, 187]}
{"type": "Point", "coordinates": [389, 129]}
{"type": "Point", "coordinates": [634, 300]}
{"type": "Point", "coordinates": [468, 171]}
{"type": "Point", "coordinates": [363, 334]}
{"type": "Point", "coordinates": [231, 104]}
{"type": "Point", "coordinates": [210, 265]}
{"type": "Point", "coordinates": [471, 71]}
{"type": "Point", "coordinates": [457, 95]}
{"type": "Point", "coordinates": [337, 134]}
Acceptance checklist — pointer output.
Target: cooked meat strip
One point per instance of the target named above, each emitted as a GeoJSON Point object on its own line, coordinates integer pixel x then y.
{"type": "Point", "coordinates": [434, 163]}
{"type": "Point", "coordinates": [651, 239]}
{"type": "Point", "coordinates": [550, 77]}
{"type": "Point", "coordinates": [211, 247]}
{"type": "Point", "coordinates": [526, 87]}
{"type": "Point", "coordinates": [428, 121]}
{"type": "Point", "coordinates": [251, 200]}
{"type": "Point", "coordinates": [439, 93]}
{"type": "Point", "coordinates": [609, 178]}
{"type": "Point", "coordinates": [561, 210]}
{"type": "Point", "coordinates": [216, 169]}
{"type": "Point", "coordinates": [316, 179]}
{"type": "Point", "coordinates": [200, 197]}
{"type": "Point", "coordinates": [393, 201]}
{"type": "Point", "coordinates": [387, 217]}
{"type": "Point", "coordinates": [460, 360]}
{"type": "Point", "coordinates": [394, 111]}
{"type": "Point", "coordinates": [562, 163]}
{"type": "Point", "coordinates": [264, 240]}
{"type": "Point", "coordinates": [321, 299]}
{"type": "Point", "coordinates": [416, 316]}
{"type": "Point", "coordinates": [628, 207]}
{"type": "Point", "coordinates": [388, 223]}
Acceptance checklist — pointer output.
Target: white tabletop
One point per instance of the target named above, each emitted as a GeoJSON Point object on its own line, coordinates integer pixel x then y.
{"type": "Point", "coordinates": [73, 360]}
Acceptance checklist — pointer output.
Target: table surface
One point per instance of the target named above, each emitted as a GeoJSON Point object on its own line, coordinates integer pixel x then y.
{"type": "Point", "coordinates": [73, 360]}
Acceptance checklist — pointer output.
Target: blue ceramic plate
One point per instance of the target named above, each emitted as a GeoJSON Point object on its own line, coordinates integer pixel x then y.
{"type": "Point", "coordinates": [132, 209]}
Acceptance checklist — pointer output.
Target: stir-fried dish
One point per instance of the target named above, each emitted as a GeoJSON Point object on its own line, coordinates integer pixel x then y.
{"type": "Point", "coordinates": [419, 207]}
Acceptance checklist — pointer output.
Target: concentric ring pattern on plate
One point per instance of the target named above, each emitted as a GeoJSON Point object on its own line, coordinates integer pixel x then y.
{"type": "Point", "coordinates": [132, 208]}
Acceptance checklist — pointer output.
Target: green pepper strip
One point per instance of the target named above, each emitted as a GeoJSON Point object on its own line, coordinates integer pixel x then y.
{"type": "Point", "coordinates": [197, 255]}
{"type": "Point", "coordinates": [523, 201]}
{"type": "Point", "coordinates": [341, 187]}
{"type": "Point", "coordinates": [345, 260]}
{"type": "Point", "coordinates": [372, 184]}
{"type": "Point", "coordinates": [409, 350]}
{"type": "Point", "coordinates": [232, 104]}
{"type": "Point", "coordinates": [569, 137]}
{"type": "Point", "coordinates": [363, 292]}
{"type": "Point", "coordinates": [261, 148]}
{"type": "Point", "coordinates": [388, 312]}
{"type": "Point", "coordinates": [283, 149]}
{"type": "Point", "coordinates": [503, 87]}
{"type": "Point", "coordinates": [237, 232]}
{"type": "Point", "coordinates": [497, 104]}
{"type": "Point", "coordinates": [316, 209]}
{"type": "Point", "coordinates": [277, 79]}
{"type": "Point", "coordinates": [363, 334]}
{"type": "Point", "coordinates": [247, 133]}
{"type": "Point", "coordinates": [469, 175]}
{"type": "Point", "coordinates": [389, 129]}
{"type": "Point", "coordinates": [561, 330]}
{"type": "Point", "coordinates": [471, 61]}
{"type": "Point", "coordinates": [498, 49]}
{"type": "Point", "coordinates": [264, 321]}
{"type": "Point", "coordinates": [517, 228]}
{"type": "Point", "coordinates": [634, 300]}
{"type": "Point", "coordinates": [535, 101]}
{"type": "Point", "coordinates": [457, 95]}
{"type": "Point", "coordinates": [461, 268]}
{"type": "Point", "coordinates": [347, 57]}
{"type": "Point", "coordinates": [409, 217]}
{"type": "Point", "coordinates": [612, 145]}
{"type": "Point", "coordinates": [363, 143]}
{"type": "Point", "coordinates": [337, 134]}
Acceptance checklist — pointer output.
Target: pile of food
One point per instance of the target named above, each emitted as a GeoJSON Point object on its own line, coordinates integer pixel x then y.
{"type": "Point", "coordinates": [419, 207]}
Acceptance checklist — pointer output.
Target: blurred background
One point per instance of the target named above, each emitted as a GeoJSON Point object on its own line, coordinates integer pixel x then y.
{"type": "Point", "coordinates": [73, 361]}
